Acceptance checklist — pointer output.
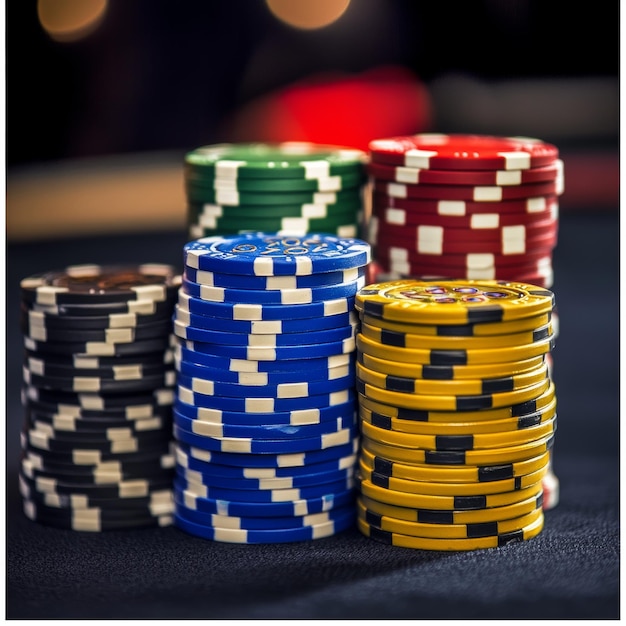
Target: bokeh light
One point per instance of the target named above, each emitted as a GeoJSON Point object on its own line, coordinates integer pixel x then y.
{"type": "Point", "coordinates": [70, 20]}
{"type": "Point", "coordinates": [308, 14]}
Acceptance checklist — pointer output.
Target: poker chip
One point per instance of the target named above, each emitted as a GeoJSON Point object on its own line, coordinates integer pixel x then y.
{"type": "Point", "coordinates": [541, 402]}
{"type": "Point", "coordinates": [249, 445]}
{"type": "Point", "coordinates": [266, 340]}
{"type": "Point", "coordinates": [541, 206]}
{"type": "Point", "coordinates": [450, 489]}
{"type": "Point", "coordinates": [458, 502]}
{"type": "Point", "coordinates": [98, 386]}
{"type": "Point", "coordinates": [454, 475]}
{"type": "Point", "coordinates": [434, 244]}
{"type": "Point", "coordinates": [460, 152]}
{"type": "Point", "coordinates": [283, 160]}
{"type": "Point", "coordinates": [186, 351]}
{"type": "Point", "coordinates": [97, 348]}
{"type": "Point", "coordinates": [447, 371]}
{"type": "Point", "coordinates": [265, 416]}
{"type": "Point", "coordinates": [341, 224]}
{"type": "Point", "coordinates": [144, 307]}
{"type": "Point", "coordinates": [262, 254]}
{"type": "Point", "coordinates": [497, 329]}
{"type": "Point", "coordinates": [278, 353]}
{"type": "Point", "coordinates": [453, 302]}
{"type": "Point", "coordinates": [131, 373]}
{"type": "Point", "coordinates": [387, 213]}
{"type": "Point", "coordinates": [87, 284]}
{"type": "Point", "coordinates": [263, 510]}
{"type": "Point", "coordinates": [399, 449]}
{"type": "Point", "coordinates": [470, 193]}
{"type": "Point", "coordinates": [109, 426]}
{"type": "Point", "coordinates": [275, 185]}
{"type": "Point", "coordinates": [453, 357]}
{"type": "Point", "coordinates": [219, 521]}
{"type": "Point", "coordinates": [42, 318]}
{"type": "Point", "coordinates": [500, 178]}
{"type": "Point", "coordinates": [256, 484]}
{"type": "Point", "coordinates": [443, 517]}
{"type": "Point", "coordinates": [391, 524]}
{"type": "Point", "coordinates": [265, 327]}
{"type": "Point", "coordinates": [207, 463]}
{"type": "Point", "coordinates": [436, 232]}
{"type": "Point", "coordinates": [278, 296]}
{"type": "Point", "coordinates": [479, 543]}
{"type": "Point", "coordinates": [107, 335]}
{"type": "Point", "coordinates": [95, 521]}
{"type": "Point", "coordinates": [296, 417]}
{"type": "Point", "coordinates": [288, 188]}
{"type": "Point", "coordinates": [204, 195]}
{"type": "Point", "coordinates": [410, 339]}
{"type": "Point", "coordinates": [448, 432]}
{"type": "Point", "coordinates": [155, 501]}
{"type": "Point", "coordinates": [282, 535]}
{"type": "Point", "coordinates": [95, 384]}
{"type": "Point", "coordinates": [453, 419]}
{"type": "Point", "coordinates": [104, 363]}
{"type": "Point", "coordinates": [298, 377]}
{"type": "Point", "coordinates": [326, 206]}
{"type": "Point", "coordinates": [99, 402]}
{"type": "Point", "coordinates": [454, 263]}
{"type": "Point", "coordinates": [303, 389]}
{"type": "Point", "coordinates": [461, 403]}
{"type": "Point", "coordinates": [270, 283]}
{"type": "Point", "coordinates": [448, 442]}
{"type": "Point", "coordinates": [480, 387]}
{"type": "Point", "coordinates": [68, 476]}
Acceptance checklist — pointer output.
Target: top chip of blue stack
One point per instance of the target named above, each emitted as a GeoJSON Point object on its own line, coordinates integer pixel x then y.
{"type": "Point", "coordinates": [267, 254]}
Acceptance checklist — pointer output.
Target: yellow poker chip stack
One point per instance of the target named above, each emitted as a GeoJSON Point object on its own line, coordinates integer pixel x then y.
{"type": "Point", "coordinates": [471, 206]}
{"type": "Point", "coordinates": [457, 412]}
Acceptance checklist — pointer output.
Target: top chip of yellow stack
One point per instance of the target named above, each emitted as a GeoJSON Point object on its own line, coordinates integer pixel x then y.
{"type": "Point", "coordinates": [453, 301]}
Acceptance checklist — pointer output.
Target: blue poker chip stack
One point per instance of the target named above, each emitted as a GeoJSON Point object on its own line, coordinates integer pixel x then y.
{"type": "Point", "coordinates": [265, 416]}
{"type": "Point", "coordinates": [98, 388]}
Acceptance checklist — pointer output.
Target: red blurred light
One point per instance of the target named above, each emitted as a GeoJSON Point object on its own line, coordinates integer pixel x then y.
{"type": "Point", "coordinates": [337, 109]}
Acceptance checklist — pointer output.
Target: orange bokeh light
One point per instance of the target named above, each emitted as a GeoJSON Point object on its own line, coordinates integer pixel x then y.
{"type": "Point", "coordinates": [70, 20]}
{"type": "Point", "coordinates": [308, 14]}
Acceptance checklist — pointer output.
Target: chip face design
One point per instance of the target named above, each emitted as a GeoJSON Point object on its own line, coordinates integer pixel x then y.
{"type": "Point", "coordinates": [266, 254]}
{"type": "Point", "coordinates": [453, 301]}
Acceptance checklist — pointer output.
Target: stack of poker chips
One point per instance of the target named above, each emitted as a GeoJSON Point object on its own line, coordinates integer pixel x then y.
{"type": "Point", "coordinates": [466, 206]}
{"type": "Point", "coordinates": [458, 412]}
{"type": "Point", "coordinates": [265, 418]}
{"type": "Point", "coordinates": [290, 188]}
{"type": "Point", "coordinates": [462, 206]}
{"type": "Point", "coordinates": [98, 388]}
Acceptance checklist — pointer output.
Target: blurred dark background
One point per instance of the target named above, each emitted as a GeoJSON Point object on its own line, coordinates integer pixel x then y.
{"type": "Point", "coordinates": [157, 78]}
{"type": "Point", "coordinates": [157, 75]}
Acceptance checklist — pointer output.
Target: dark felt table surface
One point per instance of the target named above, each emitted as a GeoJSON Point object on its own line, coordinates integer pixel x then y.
{"type": "Point", "coordinates": [569, 571]}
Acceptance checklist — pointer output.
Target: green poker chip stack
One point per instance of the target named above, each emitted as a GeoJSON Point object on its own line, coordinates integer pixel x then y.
{"type": "Point", "coordinates": [289, 188]}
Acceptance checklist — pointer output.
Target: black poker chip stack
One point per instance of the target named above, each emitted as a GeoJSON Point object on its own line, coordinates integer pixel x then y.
{"type": "Point", "coordinates": [97, 393]}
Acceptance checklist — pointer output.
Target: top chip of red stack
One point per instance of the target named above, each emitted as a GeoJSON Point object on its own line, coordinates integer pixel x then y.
{"type": "Point", "coordinates": [463, 152]}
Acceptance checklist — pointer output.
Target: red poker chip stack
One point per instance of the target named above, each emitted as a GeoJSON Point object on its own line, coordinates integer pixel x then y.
{"type": "Point", "coordinates": [465, 206]}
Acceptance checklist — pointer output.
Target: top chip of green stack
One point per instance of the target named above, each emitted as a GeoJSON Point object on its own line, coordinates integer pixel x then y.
{"type": "Point", "coordinates": [292, 159]}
